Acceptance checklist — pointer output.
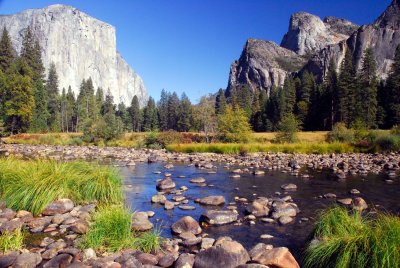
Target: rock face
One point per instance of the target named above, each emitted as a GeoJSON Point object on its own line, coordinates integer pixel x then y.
{"type": "Point", "coordinates": [81, 47]}
{"type": "Point", "coordinates": [262, 65]}
{"type": "Point", "coordinates": [308, 33]}
{"type": "Point", "coordinates": [383, 36]}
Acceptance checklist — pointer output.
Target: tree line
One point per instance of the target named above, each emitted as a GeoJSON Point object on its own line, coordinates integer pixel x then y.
{"type": "Point", "coordinates": [34, 103]}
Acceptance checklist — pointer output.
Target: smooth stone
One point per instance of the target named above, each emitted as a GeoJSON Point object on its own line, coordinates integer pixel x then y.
{"type": "Point", "coordinates": [166, 184]}
{"type": "Point", "coordinates": [218, 217]}
{"type": "Point", "coordinates": [158, 198]}
{"type": "Point", "coordinates": [168, 205]}
{"type": "Point", "coordinates": [329, 196]}
{"type": "Point", "coordinates": [359, 204]}
{"type": "Point", "coordinates": [60, 206]}
{"type": "Point", "coordinates": [266, 236]}
{"type": "Point", "coordinates": [183, 207]}
{"type": "Point", "coordinates": [354, 191]}
{"type": "Point", "coordinates": [146, 258]}
{"type": "Point", "coordinates": [212, 200]}
{"type": "Point", "coordinates": [61, 260]}
{"type": "Point", "coordinates": [186, 224]}
{"type": "Point", "coordinates": [289, 186]}
{"type": "Point", "coordinates": [198, 180]}
{"type": "Point", "coordinates": [140, 222]}
{"type": "Point", "coordinates": [185, 260]}
{"type": "Point", "coordinates": [345, 201]}
{"type": "Point", "coordinates": [8, 259]}
{"type": "Point", "coordinates": [259, 207]}
{"type": "Point", "coordinates": [80, 227]}
{"type": "Point", "coordinates": [259, 250]}
{"type": "Point", "coordinates": [207, 242]}
{"type": "Point", "coordinates": [277, 258]}
{"type": "Point", "coordinates": [27, 260]}
{"type": "Point", "coordinates": [285, 220]}
{"type": "Point", "coordinates": [228, 254]}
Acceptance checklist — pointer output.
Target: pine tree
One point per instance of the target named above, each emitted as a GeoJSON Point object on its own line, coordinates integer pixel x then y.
{"type": "Point", "coordinates": [18, 100]}
{"type": "Point", "coordinates": [184, 114]}
{"type": "Point", "coordinates": [163, 110]}
{"type": "Point", "coordinates": [331, 96]}
{"type": "Point", "coordinates": [109, 107]}
{"type": "Point", "coordinates": [256, 113]}
{"type": "Point", "coordinates": [70, 111]}
{"type": "Point", "coordinates": [53, 105]}
{"type": "Point", "coordinates": [135, 115]}
{"type": "Point", "coordinates": [6, 51]}
{"type": "Point", "coordinates": [220, 102]}
{"type": "Point", "coordinates": [63, 110]}
{"type": "Point", "coordinates": [150, 116]}
{"type": "Point", "coordinates": [99, 102]}
{"type": "Point", "coordinates": [367, 103]}
{"type": "Point", "coordinates": [31, 53]}
{"type": "Point", "coordinates": [173, 111]}
{"type": "Point", "coordinates": [393, 91]}
{"type": "Point", "coordinates": [347, 90]}
{"type": "Point", "coordinates": [123, 114]}
{"type": "Point", "coordinates": [40, 113]}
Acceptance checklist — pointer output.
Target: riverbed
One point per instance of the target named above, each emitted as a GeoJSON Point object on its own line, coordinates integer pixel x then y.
{"type": "Point", "coordinates": [141, 180]}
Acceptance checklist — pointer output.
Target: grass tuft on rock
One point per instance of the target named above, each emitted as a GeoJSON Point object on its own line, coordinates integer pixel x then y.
{"type": "Point", "coordinates": [31, 185]}
{"type": "Point", "coordinates": [11, 241]}
{"type": "Point", "coordinates": [349, 239]}
{"type": "Point", "coordinates": [112, 232]}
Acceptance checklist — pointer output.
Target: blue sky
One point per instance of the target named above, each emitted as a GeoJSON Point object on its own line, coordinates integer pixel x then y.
{"type": "Point", "coordinates": [188, 45]}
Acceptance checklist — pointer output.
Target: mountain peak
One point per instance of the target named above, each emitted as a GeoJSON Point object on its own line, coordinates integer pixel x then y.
{"type": "Point", "coordinates": [391, 16]}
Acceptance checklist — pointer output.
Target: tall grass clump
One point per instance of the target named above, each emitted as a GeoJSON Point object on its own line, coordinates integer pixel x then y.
{"type": "Point", "coordinates": [111, 230]}
{"type": "Point", "coordinates": [340, 133]}
{"type": "Point", "coordinates": [10, 241]}
{"type": "Point", "coordinates": [31, 185]}
{"type": "Point", "coordinates": [349, 239]}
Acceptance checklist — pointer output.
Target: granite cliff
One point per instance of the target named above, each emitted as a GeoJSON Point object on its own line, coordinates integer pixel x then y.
{"type": "Point", "coordinates": [81, 47]}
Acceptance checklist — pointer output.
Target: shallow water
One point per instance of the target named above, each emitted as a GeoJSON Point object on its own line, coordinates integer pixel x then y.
{"type": "Point", "coordinates": [140, 186]}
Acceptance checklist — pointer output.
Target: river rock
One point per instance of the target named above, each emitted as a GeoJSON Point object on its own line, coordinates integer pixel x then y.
{"type": "Point", "coordinates": [207, 242]}
{"type": "Point", "coordinates": [345, 201]}
{"type": "Point", "coordinates": [184, 207]}
{"type": "Point", "coordinates": [354, 191]}
{"type": "Point", "coordinates": [27, 260]}
{"type": "Point", "coordinates": [88, 254]}
{"type": "Point", "coordinates": [140, 222]}
{"type": "Point", "coordinates": [185, 260]}
{"type": "Point", "coordinates": [146, 258]}
{"type": "Point", "coordinates": [11, 226]}
{"type": "Point", "coordinates": [168, 205]}
{"type": "Point", "coordinates": [289, 187]}
{"type": "Point", "coordinates": [60, 206]}
{"type": "Point", "coordinates": [198, 180]}
{"type": "Point", "coordinates": [186, 224]}
{"type": "Point", "coordinates": [276, 257]}
{"type": "Point", "coordinates": [283, 209]}
{"type": "Point", "coordinates": [252, 265]}
{"type": "Point", "coordinates": [218, 217]}
{"type": "Point", "coordinates": [285, 220]}
{"type": "Point", "coordinates": [259, 249]}
{"type": "Point", "coordinates": [8, 213]}
{"type": "Point", "coordinates": [359, 204]}
{"type": "Point", "coordinates": [166, 261]}
{"type": "Point", "coordinates": [212, 200]}
{"type": "Point", "coordinates": [228, 254]}
{"type": "Point", "coordinates": [38, 224]}
{"type": "Point", "coordinates": [158, 198]}
{"type": "Point", "coordinates": [80, 227]}
{"type": "Point", "coordinates": [166, 184]}
{"type": "Point", "coordinates": [8, 259]}
{"type": "Point", "coordinates": [259, 207]}
{"type": "Point", "coordinates": [61, 260]}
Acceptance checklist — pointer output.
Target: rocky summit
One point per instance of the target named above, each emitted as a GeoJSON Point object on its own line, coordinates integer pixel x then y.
{"type": "Point", "coordinates": [311, 43]}
{"type": "Point", "coordinates": [80, 47]}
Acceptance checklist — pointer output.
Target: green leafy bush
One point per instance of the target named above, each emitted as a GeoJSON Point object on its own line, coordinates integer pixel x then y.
{"type": "Point", "coordinates": [288, 127]}
{"type": "Point", "coordinates": [170, 137]}
{"type": "Point", "coordinates": [340, 133]}
{"type": "Point", "coordinates": [104, 129]}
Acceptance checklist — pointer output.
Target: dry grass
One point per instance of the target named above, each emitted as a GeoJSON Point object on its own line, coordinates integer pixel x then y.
{"type": "Point", "coordinates": [317, 136]}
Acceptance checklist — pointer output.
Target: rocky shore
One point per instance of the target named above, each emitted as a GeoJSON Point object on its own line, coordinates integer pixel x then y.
{"type": "Point", "coordinates": [340, 164]}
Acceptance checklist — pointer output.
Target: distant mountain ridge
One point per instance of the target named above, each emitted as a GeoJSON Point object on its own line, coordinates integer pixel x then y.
{"type": "Point", "coordinates": [81, 47]}
{"type": "Point", "coordinates": [314, 42]}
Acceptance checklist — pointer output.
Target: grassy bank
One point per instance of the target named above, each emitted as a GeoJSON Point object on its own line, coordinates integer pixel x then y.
{"type": "Point", "coordinates": [233, 148]}
{"type": "Point", "coordinates": [31, 185]}
{"type": "Point", "coordinates": [349, 239]}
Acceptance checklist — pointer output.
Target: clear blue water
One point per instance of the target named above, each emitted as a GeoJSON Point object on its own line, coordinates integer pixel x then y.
{"type": "Point", "coordinates": [140, 186]}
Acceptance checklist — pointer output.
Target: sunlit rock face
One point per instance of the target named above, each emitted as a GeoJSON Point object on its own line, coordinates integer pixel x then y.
{"type": "Point", "coordinates": [81, 47]}
{"type": "Point", "coordinates": [308, 34]}
{"type": "Point", "coordinates": [383, 36]}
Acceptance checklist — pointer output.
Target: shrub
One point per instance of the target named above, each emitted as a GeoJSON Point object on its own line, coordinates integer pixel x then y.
{"type": "Point", "coordinates": [346, 239]}
{"type": "Point", "coordinates": [395, 130]}
{"type": "Point", "coordinates": [10, 241]}
{"type": "Point", "coordinates": [287, 127]}
{"type": "Point", "coordinates": [233, 126]}
{"type": "Point", "coordinates": [341, 133]}
{"type": "Point", "coordinates": [169, 137]}
{"type": "Point", "coordinates": [360, 130]}
{"type": "Point", "coordinates": [151, 141]}
{"type": "Point", "coordinates": [387, 143]}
